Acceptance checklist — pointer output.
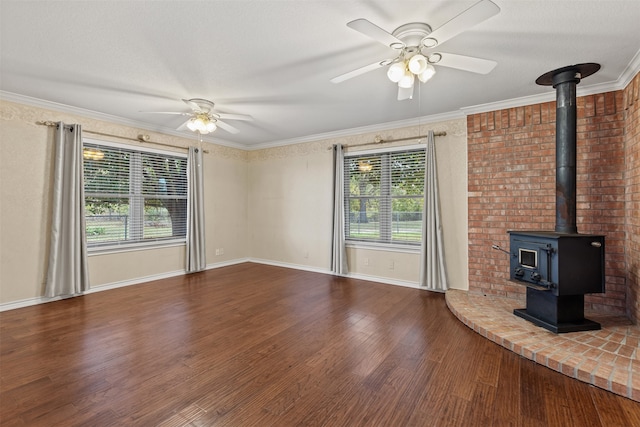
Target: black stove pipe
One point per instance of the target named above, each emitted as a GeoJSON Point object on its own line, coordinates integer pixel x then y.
{"type": "Point", "coordinates": [566, 147]}
{"type": "Point", "coordinates": [564, 81]}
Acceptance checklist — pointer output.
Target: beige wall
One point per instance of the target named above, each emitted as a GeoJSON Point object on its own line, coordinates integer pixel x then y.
{"type": "Point", "coordinates": [25, 176]}
{"type": "Point", "coordinates": [225, 187]}
{"type": "Point", "coordinates": [122, 267]}
{"type": "Point", "coordinates": [26, 151]}
{"type": "Point", "coordinates": [272, 205]}
{"type": "Point", "coordinates": [290, 207]}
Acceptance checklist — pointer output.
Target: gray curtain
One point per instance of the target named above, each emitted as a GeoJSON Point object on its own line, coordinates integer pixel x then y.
{"type": "Point", "coordinates": [432, 267]}
{"type": "Point", "coordinates": [67, 273]}
{"type": "Point", "coordinates": [339, 252]}
{"type": "Point", "coordinates": [196, 259]}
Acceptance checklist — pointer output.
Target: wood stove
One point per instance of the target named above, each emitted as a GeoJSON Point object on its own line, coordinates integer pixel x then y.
{"type": "Point", "coordinates": [559, 267]}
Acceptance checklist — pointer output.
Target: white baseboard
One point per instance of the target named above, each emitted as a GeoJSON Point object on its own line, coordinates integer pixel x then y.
{"type": "Point", "coordinates": [288, 265]}
{"type": "Point", "coordinates": [26, 303]}
{"type": "Point", "coordinates": [114, 285]}
{"type": "Point", "coordinates": [226, 263]}
{"type": "Point", "coordinates": [384, 280]}
{"type": "Point", "coordinates": [41, 300]}
{"type": "Point", "coordinates": [136, 281]}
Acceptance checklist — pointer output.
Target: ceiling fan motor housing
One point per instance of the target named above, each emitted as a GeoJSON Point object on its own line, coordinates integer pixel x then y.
{"type": "Point", "coordinates": [204, 105]}
{"type": "Point", "coordinates": [412, 33]}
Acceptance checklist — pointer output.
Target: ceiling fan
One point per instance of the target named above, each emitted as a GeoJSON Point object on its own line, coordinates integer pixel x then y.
{"type": "Point", "coordinates": [203, 119]}
{"type": "Point", "coordinates": [415, 45]}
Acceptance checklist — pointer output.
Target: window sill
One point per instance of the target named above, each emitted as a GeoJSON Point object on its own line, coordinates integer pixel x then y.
{"type": "Point", "coordinates": [387, 247]}
{"type": "Point", "coordinates": [132, 247]}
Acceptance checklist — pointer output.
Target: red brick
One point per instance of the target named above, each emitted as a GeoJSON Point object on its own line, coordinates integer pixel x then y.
{"type": "Point", "coordinates": [511, 175]}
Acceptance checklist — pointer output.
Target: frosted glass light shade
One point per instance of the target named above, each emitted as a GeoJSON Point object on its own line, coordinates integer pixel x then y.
{"type": "Point", "coordinates": [407, 80]}
{"type": "Point", "coordinates": [396, 71]}
{"type": "Point", "coordinates": [418, 64]}
{"type": "Point", "coordinates": [201, 124]}
{"type": "Point", "coordinates": [211, 127]}
{"type": "Point", "coordinates": [427, 73]}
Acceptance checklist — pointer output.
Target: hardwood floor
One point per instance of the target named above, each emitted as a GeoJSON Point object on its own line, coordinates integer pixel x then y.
{"type": "Point", "coordinates": [255, 345]}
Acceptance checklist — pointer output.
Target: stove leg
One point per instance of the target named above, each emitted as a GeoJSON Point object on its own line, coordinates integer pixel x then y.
{"type": "Point", "coordinates": [558, 314]}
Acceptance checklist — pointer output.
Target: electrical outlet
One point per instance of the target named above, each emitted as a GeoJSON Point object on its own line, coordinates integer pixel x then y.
{"type": "Point", "coordinates": [391, 265]}
{"type": "Point", "coordinates": [217, 251]}
{"type": "Point", "coordinates": [221, 251]}
{"type": "Point", "coordinates": [366, 261]}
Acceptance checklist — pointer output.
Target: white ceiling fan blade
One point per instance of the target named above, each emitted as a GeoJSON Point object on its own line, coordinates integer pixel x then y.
{"type": "Point", "coordinates": [183, 126]}
{"type": "Point", "coordinates": [405, 93]}
{"type": "Point", "coordinates": [476, 14]}
{"type": "Point", "coordinates": [227, 127]}
{"type": "Point", "coordinates": [372, 30]}
{"type": "Point", "coordinates": [466, 63]}
{"type": "Point", "coordinates": [234, 117]}
{"type": "Point", "coordinates": [359, 71]}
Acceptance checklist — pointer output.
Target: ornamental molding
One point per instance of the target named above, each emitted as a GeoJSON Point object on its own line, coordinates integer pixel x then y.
{"type": "Point", "coordinates": [30, 115]}
{"type": "Point", "coordinates": [456, 128]}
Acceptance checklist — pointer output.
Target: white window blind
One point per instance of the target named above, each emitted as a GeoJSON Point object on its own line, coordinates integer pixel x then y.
{"type": "Point", "coordinates": [133, 196]}
{"type": "Point", "coordinates": [384, 196]}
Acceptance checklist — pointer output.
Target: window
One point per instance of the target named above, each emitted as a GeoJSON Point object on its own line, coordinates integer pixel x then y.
{"type": "Point", "coordinates": [133, 196]}
{"type": "Point", "coordinates": [384, 196]}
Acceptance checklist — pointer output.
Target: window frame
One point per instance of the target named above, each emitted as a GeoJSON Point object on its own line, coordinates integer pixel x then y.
{"type": "Point", "coordinates": [140, 243]}
{"type": "Point", "coordinates": [385, 230]}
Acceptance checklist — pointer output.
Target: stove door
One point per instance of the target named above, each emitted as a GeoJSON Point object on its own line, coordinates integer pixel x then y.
{"type": "Point", "coordinates": [531, 259]}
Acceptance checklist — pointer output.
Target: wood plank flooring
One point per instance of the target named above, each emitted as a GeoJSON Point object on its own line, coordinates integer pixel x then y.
{"type": "Point", "coordinates": [256, 345]}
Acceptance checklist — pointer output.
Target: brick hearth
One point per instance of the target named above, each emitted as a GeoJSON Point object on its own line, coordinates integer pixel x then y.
{"type": "Point", "coordinates": [608, 358]}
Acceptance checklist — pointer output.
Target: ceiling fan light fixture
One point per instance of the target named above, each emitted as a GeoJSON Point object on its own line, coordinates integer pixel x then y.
{"type": "Point", "coordinates": [202, 123]}
{"type": "Point", "coordinates": [407, 80]}
{"type": "Point", "coordinates": [427, 73]}
{"type": "Point", "coordinates": [404, 72]}
{"type": "Point", "coordinates": [418, 64]}
{"type": "Point", "coordinates": [396, 71]}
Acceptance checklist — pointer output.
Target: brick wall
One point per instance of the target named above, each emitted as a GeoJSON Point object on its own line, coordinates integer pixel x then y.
{"type": "Point", "coordinates": [511, 167]}
{"type": "Point", "coordinates": [631, 101]}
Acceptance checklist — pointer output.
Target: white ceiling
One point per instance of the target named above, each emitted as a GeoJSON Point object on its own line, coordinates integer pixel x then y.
{"type": "Point", "coordinates": [272, 59]}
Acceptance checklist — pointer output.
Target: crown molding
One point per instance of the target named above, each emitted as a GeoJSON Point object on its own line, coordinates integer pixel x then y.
{"type": "Point", "coordinates": [363, 129]}
{"type": "Point", "coordinates": [539, 99]}
{"type": "Point", "coordinates": [625, 78]}
{"type": "Point", "coordinates": [630, 72]}
{"type": "Point", "coordinates": [64, 108]}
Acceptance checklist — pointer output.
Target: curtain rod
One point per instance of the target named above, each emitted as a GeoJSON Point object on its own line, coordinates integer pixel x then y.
{"type": "Point", "coordinates": [141, 138]}
{"type": "Point", "coordinates": [379, 140]}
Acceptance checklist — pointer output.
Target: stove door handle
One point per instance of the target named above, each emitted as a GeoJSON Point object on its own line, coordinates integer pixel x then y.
{"type": "Point", "coordinates": [548, 248]}
{"type": "Point", "coordinates": [498, 248]}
